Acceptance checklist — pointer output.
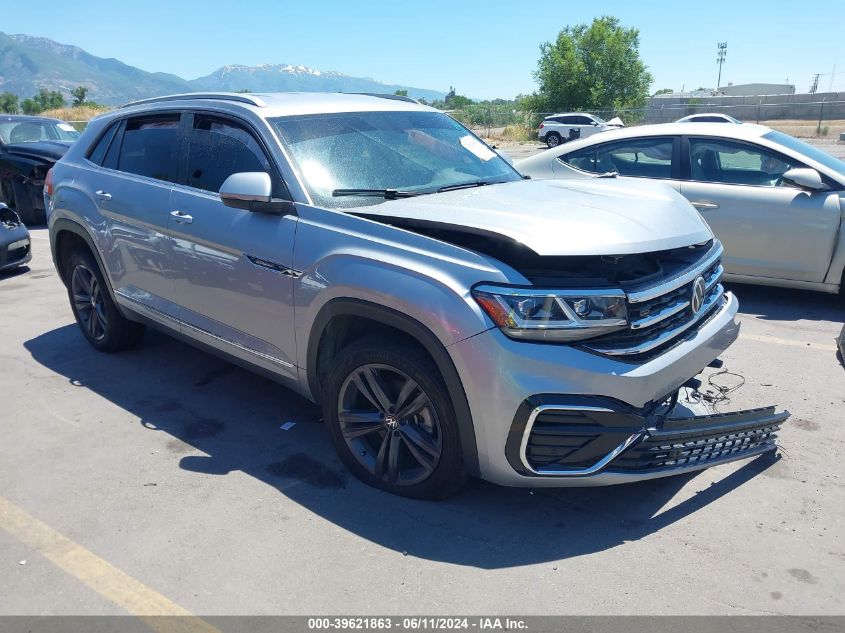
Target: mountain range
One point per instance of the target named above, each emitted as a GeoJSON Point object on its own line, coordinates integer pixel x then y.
{"type": "Point", "coordinates": [28, 64]}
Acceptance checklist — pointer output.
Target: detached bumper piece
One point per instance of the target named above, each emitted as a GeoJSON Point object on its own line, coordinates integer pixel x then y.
{"type": "Point", "coordinates": [605, 441]}
{"type": "Point", "coordinates": [703, 441]}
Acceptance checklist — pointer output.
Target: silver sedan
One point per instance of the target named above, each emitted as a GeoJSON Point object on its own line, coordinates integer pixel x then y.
{"type": "Point", "coordinates": [775, 202]}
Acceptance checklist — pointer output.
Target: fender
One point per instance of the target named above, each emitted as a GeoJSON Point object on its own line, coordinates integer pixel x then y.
{"type": "Point", "coordinates": [424, 336]}
{"type": "Point", "coordinates": [60, 225]}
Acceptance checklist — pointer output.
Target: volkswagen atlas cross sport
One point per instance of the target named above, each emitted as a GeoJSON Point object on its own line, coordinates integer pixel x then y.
{"type": "Point", "coordinates": [375, 256]}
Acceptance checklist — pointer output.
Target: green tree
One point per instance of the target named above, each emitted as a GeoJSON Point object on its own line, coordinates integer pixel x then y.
{"type": "Point", "coordinates": [30, 106]}
{"type": "Point", "coordinates": [591, 67]}
{"type": "Point", "coordinates": [401, 93]}
{"type": "Point", "coordinates": [664, 91]}
{"type": "Point", "coordinates": [8, 102]}
{"type": "Point", "coordinates": [49, 99]}
{"type": "Point", "coordinates": [79, 94]}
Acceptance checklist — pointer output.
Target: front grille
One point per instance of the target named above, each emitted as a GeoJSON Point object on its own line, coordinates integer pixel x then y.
{"type": "Point", "coordinates": [668, 449]}
{"type": "Point", "coordinates": [661, 313]}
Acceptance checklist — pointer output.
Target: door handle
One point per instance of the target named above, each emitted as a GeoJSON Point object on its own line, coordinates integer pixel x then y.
{"type": "Point", "coordinates": [102, 195]}
{"type": "Point", "coordinates": [183, 218]}
{"type": "Point", "coordinates": [703, 206]}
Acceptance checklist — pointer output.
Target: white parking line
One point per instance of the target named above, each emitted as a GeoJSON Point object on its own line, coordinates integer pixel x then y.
{"type": "Point", "coordinates": [762, 338]}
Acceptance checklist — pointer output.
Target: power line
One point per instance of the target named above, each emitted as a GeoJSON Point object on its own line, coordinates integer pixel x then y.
{"type": "Point", "coordinates": [814, 86]}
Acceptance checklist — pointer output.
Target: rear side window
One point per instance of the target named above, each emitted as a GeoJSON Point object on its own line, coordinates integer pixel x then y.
{"type": "Point", "coordinates": [98, 154]}
{"type": "Point", "coordinates": [151, 147]}
{"type": "Point", "coordinates": [220, 148]}
{"type": "Point", "coordinates": [644, 158]}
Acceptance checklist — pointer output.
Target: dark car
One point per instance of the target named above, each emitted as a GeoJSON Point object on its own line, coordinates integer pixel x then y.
{"type": "Point", "coordinates": [15, 248]}
{"type": "Point", "coordinates": [29, 147]}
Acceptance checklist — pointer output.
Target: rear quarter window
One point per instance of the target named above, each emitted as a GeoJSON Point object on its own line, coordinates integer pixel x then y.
{"type": "Point", "coordinates": [150, 147]}
{"type": "Point", "coordinates": [97, 154]}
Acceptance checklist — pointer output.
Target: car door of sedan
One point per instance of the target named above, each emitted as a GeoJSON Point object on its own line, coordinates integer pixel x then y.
{"type": "Point", "coordinates": [233, 279]}
{"type": "Point", "coordinates": [768, 228]}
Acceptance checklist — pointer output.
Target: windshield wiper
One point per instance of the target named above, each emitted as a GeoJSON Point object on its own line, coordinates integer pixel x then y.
{"type": "Point", "coordinates": [466, 185]}
{"type": "Point", "coordinates": [387, 194]}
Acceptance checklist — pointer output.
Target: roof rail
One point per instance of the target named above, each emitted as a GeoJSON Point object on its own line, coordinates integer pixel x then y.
{"type": "Point", "coordinates": [239, 97]}
{"type": "Point", "coordinates": [384, 95]}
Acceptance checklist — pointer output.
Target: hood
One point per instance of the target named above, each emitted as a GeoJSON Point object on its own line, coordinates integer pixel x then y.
{"type": "Point", "coordinates": [48, 150]}
{"type": "Point", "coordinates": [596, 216]}
{"type": "Point", "coordinates": [616, 122]}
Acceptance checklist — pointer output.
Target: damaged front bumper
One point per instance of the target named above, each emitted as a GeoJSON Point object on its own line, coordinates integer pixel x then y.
{"type": "Point", "coordinates": [582, 441]}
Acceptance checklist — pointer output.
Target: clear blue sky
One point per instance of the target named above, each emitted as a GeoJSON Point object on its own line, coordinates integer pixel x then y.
{"type": "Point", "coordinates": [485, 49]}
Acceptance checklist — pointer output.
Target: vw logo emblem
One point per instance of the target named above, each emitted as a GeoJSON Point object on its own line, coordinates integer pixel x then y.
{"type": "Point", "coordinates": [697, 299]}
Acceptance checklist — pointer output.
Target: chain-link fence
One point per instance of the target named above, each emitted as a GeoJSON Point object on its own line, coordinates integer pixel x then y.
{"type": "Point", "coordinates": [822, 118]}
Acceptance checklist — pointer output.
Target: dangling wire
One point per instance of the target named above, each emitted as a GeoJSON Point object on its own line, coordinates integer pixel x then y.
{"type": "Point", "coordinates": [721, 393]}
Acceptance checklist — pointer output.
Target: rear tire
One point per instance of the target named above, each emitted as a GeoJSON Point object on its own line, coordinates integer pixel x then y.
{"type": "Point", "coordinates": [97, 316]}
{"type": "Point", "coordinates": [391, 420]}
{"type": "Point", "coordinates": [553, 139]}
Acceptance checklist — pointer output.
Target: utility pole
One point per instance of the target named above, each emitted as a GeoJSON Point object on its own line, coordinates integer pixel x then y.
{"type": "Point", "coordinates": [814, 86]}
{"type": "Point", "coordinates": [723, 51]}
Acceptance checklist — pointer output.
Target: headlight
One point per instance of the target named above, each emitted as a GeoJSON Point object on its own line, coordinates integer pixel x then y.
{"type": "Point", "coordinates": [553, 315]}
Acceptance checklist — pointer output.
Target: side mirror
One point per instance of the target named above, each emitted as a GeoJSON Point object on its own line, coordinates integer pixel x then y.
{"type": "Point", "coordinates": [507, 157]}
{"type": "Point", "coordinates": [253, 191]}
{"type": "Point", "coordinates": [805, 178]}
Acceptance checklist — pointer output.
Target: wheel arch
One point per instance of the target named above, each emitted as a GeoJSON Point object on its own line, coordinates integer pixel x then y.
{"type": "Point", "coordinates": [64, 233]}
{"type": "Point", "coordinates": [369, 317]}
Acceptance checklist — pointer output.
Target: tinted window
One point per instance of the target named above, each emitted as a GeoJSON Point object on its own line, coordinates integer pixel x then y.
{"type": "Point", "coordinates": [582, 120]}
{"type": "Point", "coordinates": [150, 147]}
{"type": "Point", "coordinates": [730, 162]}
{"type": "Point", "coordinates": [98, 154]}
{"type": "Point", "coordinates": [644, 158]}
{"type": "Point", "coordinates": [220, 148]}
{"type": "Point", "coordinates": [565, 119]}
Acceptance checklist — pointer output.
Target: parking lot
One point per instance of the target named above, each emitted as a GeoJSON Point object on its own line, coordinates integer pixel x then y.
{"type": "Point", "coordinates": [160, 481]}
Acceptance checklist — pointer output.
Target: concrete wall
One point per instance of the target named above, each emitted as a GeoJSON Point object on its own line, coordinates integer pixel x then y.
{"type": "Point", "coordinates": [750, 90]}
{"type": "Point", "coordinates": [805, 107]}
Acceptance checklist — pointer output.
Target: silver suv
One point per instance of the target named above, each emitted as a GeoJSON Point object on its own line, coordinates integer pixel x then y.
{"type": "Point", "coordinates": [373, 255]}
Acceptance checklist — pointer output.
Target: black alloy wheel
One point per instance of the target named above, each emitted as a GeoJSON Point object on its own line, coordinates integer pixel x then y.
{"type": "Point", "coordinates": [389, 424]}
{"type": "Point", "coordinates": [392, 420]}
{"type": "Point", "coordinates": [88, 303]}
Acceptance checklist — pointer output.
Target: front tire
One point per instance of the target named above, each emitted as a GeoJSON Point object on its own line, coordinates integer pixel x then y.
{"type": "Point", "coordinates": [391, 420]}
{"type": "Point", "coordinates": [97, 316]}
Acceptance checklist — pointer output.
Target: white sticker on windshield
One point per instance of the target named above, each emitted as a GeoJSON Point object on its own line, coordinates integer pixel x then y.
{"type": "Point", "coordinates": [67, 127]}
{"type": "Point", "coordinates": [477, 147]}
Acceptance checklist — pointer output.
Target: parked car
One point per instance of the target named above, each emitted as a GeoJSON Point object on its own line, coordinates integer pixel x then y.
{"type": "Point", "coordinates": [709, 117]}
{"type": "Point", "coordinates": [373, 255]}
{"type": "Point", "coordinates": [775, 202]}
{"type": "Point", "coordinates": [29, 146]}
{"type": "Point", "coordinates": [15, 247]}
{"type": "Point", "coordinates": [561, 128]}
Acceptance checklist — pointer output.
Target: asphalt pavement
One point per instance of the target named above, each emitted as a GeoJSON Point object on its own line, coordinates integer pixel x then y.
{"type": "Point", "coordinates": [160, 481]}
